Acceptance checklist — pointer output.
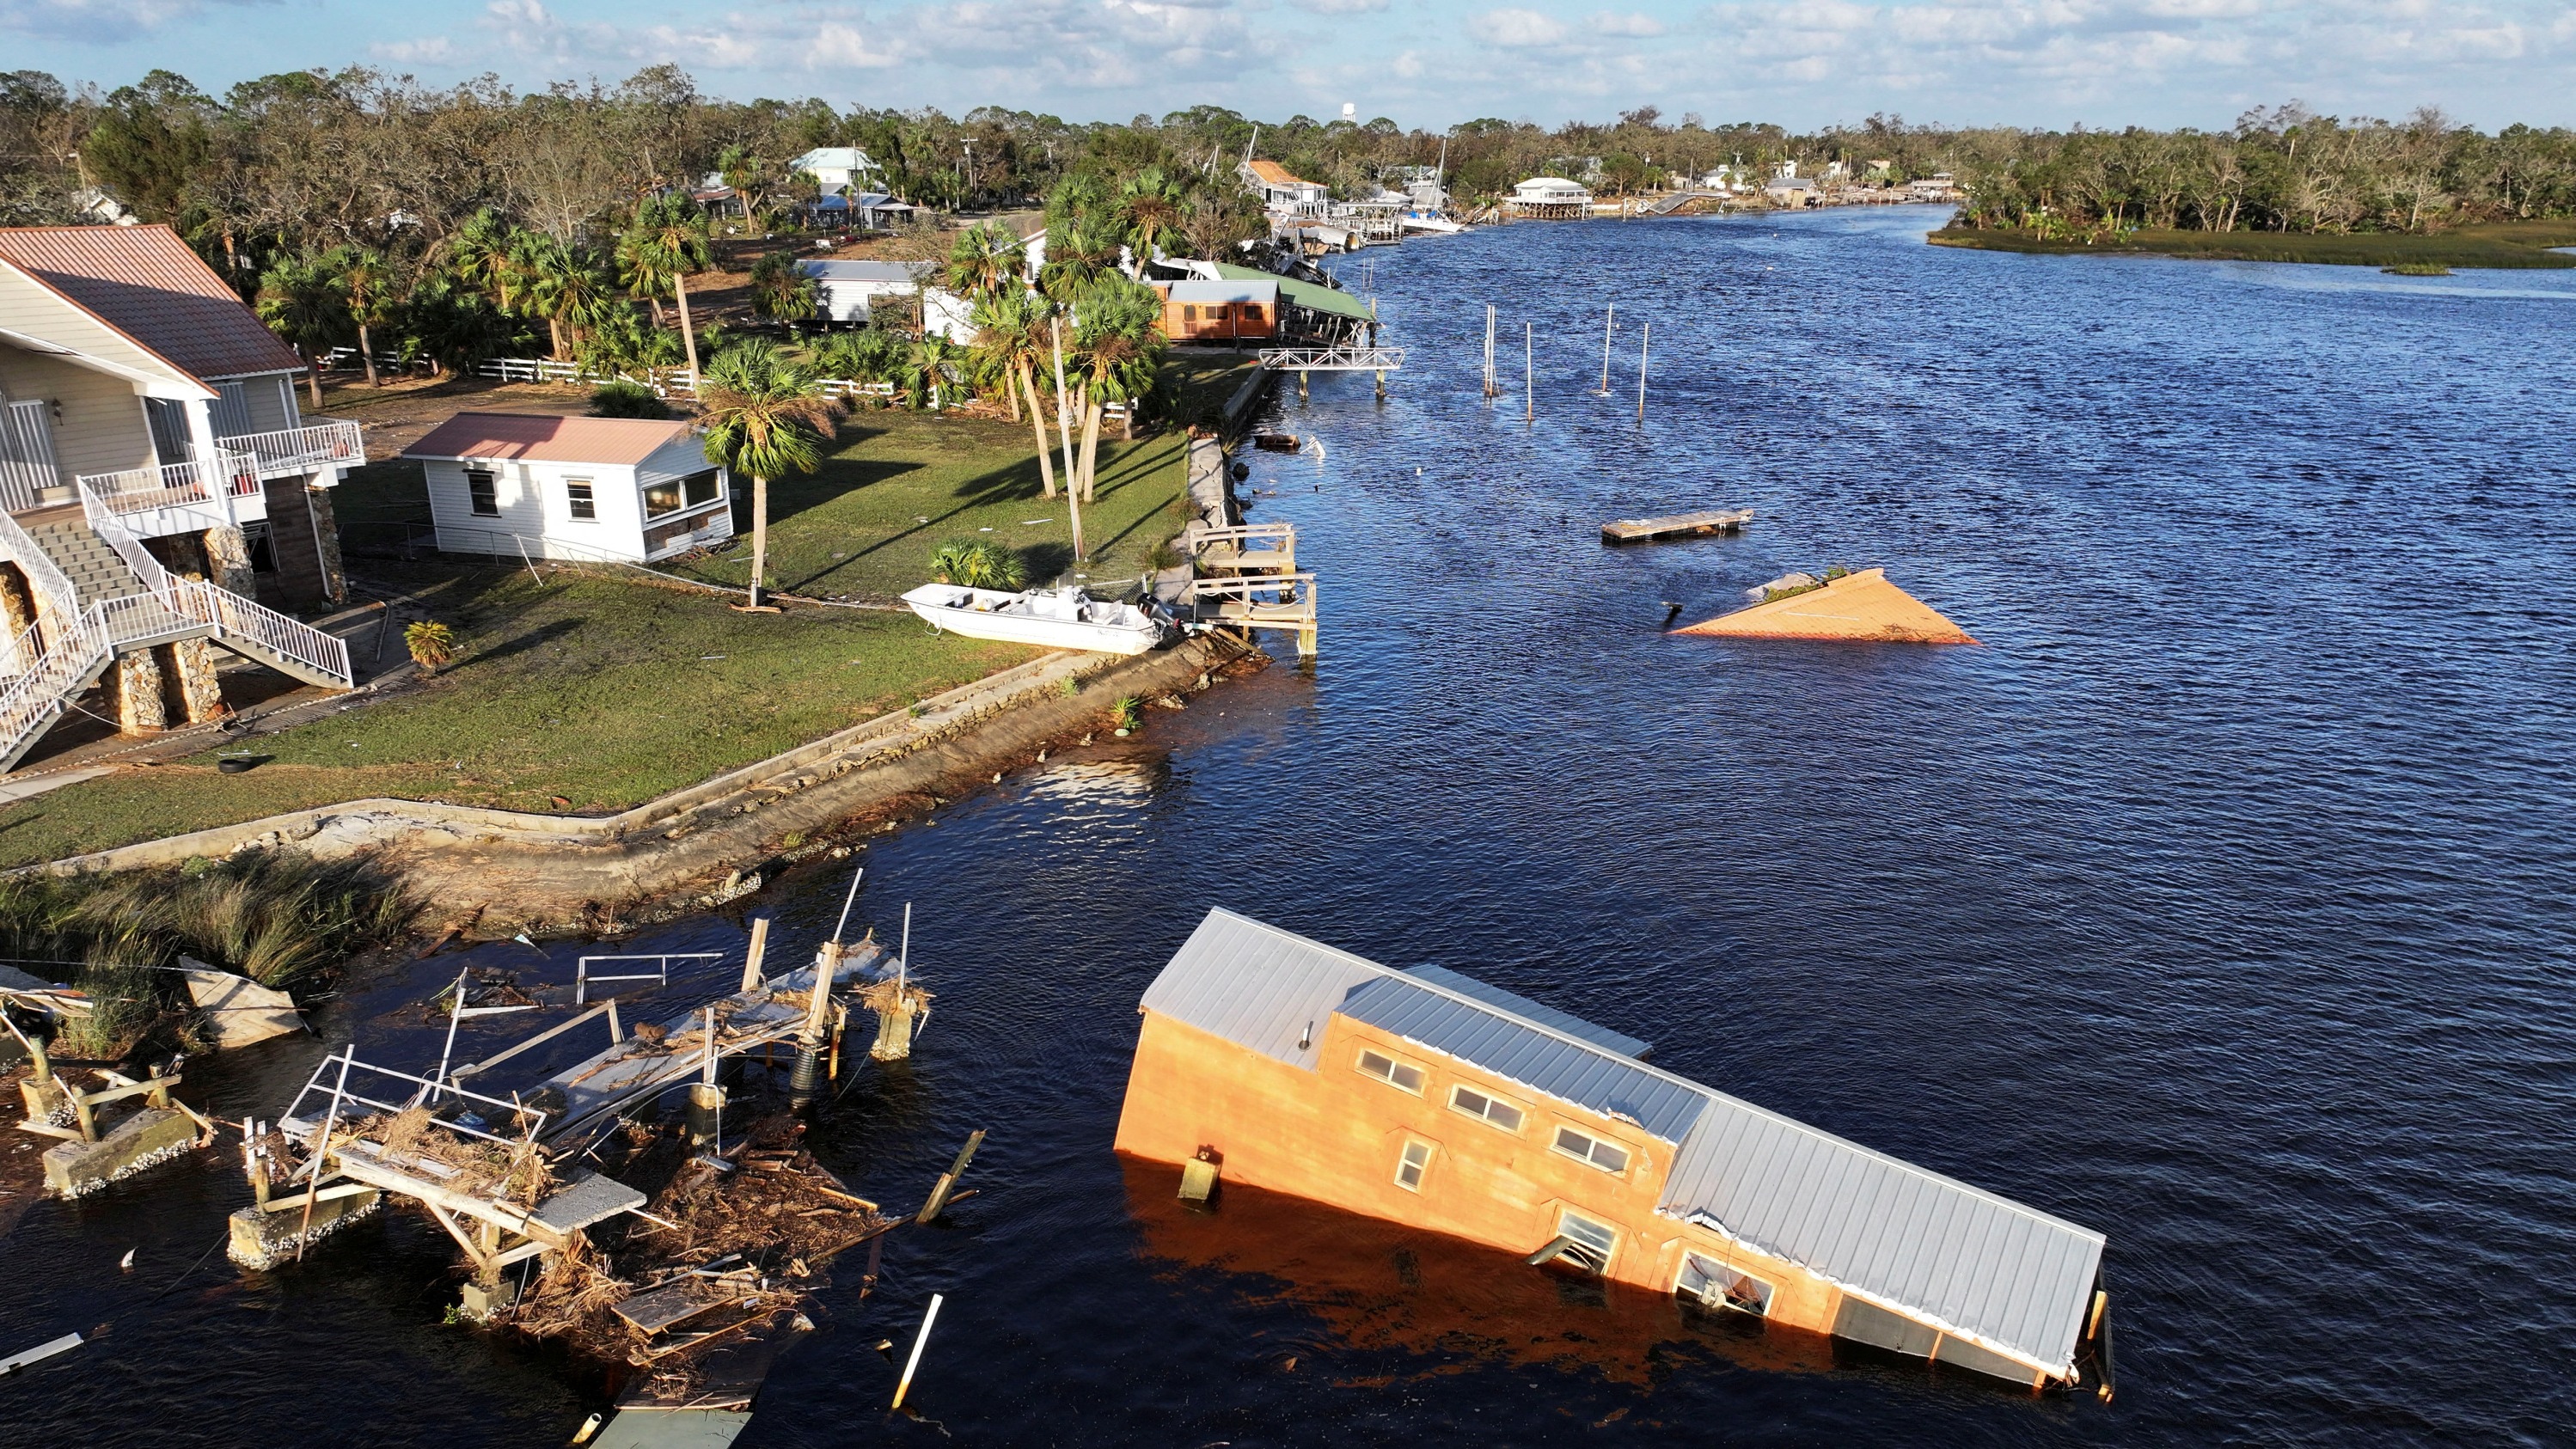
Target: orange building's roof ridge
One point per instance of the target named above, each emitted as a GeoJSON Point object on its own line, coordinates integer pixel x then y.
{"type": "Point", "coordinates": [1863, 606]}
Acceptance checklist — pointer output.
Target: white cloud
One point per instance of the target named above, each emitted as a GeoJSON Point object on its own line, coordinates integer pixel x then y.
{"type": "Point", "coordinates": [1340, 7]}
{"type": "Point", "coordinates": [1634, 23]}
{"type": "Point", "coordinates": [1516, 28]}
{"type": "Point", "coordinates": [99, 22]}
{"type": "Point", "coordinates": [429, 50]}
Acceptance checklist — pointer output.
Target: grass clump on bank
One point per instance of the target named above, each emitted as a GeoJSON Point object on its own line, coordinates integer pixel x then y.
{"type": "Point", "coordinates": [2513, 244]}
{"type": "Point", "coordinates": [280, 918]}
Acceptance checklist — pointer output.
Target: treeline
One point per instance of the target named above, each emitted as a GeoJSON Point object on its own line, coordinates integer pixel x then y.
{"type": "Point", "coordinates": [294, 166]}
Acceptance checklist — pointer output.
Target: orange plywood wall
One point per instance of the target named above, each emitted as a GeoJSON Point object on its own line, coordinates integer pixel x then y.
{"type": "Point", "coordinates": [1863, 606]}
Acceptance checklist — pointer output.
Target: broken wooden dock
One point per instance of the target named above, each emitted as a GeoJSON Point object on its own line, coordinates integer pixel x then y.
{"type": "Point", "coordinates": [1676, 525]}
{"type": "Point", "coordinates": [1260, 601]}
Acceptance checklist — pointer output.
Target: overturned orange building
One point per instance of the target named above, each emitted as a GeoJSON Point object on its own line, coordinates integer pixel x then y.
{"type": "Point", "coordinates": [1862, 606]}
{"type": "Point", "coordinates": [1428, 1098]}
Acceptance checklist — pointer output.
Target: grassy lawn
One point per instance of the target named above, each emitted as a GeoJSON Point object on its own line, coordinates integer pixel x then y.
{"type": "Point", "coordinates": [2513, 244]}
{"type": "Point", "coordinates": [900, 483]}
{"type": "Point", "coordinates": [593, 693]}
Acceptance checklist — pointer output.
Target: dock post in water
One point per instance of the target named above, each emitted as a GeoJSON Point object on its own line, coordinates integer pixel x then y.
{"type": "Point", "coordinates": [1647, 336]}
{"type": "Point", "coordinates": [707, 1098]}
{"type": "Point", "coordinates": [751, 977]}
{"type": "Point", "coordinates": [897, 1003]}
{"type": "Point", "coordinates": [1607, 318]}
{"type": "Point", "coordinates": [1529, 373]}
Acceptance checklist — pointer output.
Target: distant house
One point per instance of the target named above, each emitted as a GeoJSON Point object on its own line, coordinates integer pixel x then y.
{"type": "Point", "coordinates": [1551, 198]}
{"type": "Point", "coordinates": [844, 290]}
{"type": "Point", "coordinates": [840, 170]}
{"type": "Point", "coordinates": [1794, 191]}
{"type": "Point", "coordinates": [946, 314]}
{"type": "Point", "coordinates": [1282, 191]}
{"type": "Point", "coordinates": [1220, 311]}
{"type": "Point", "coordinates": [1432, 1099]}
{"type": "Point", "coordinates": [572, 488]}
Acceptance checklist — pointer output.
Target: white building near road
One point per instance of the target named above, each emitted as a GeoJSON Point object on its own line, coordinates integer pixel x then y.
{"type": "Point", "coordinates": [844, 290]}
{"type": "Point", "coordinates": [841, 170]}
{"type": "Point", "coordinates": [572, 488]}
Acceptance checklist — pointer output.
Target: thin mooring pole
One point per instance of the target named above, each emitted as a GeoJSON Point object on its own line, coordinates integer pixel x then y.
{"type": "Point", "coordinates": [1642, 340]}
{"type": "Point", "coordinates": [918, 1340]}
{"type": "Point", "coordinates": [1490, 389]}
{"type": "Point", "coordinates": [1607, 318]}
{"type": "Point", "coordinates": [1529, 373]}
{"type": "Point", "coordinates": [903, 957]}
{"type": "Point", "coordinates": [321, 1149]}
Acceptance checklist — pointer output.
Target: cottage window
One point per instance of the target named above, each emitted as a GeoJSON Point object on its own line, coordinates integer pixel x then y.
{"type": "Point", "coordinates": [679, 493]}
{"type": "Point", "coordinates": [1718, 1285]}
{"type": "Point", "coordinates": [1586, 1242]}
{"type": "Point", "coordinates": [1251, 311]}
{"type": "Point", "coordinates": [1409, 1168]}
{"type": "Point", "coordinates": [1477, 1104]}
{"type": "Point", "coordinates": [1387, 1069]}
{"type": "Point", "coordinates": [1189, 312]}
{"type": "Point", "coordinates": [1609, 1157]}
{"type": "Point", "coordinates": [482, 493]}
{"type": "Point", "coordinates": [702, 487]}
{"type": "Point", "coordinates": [579, 501]}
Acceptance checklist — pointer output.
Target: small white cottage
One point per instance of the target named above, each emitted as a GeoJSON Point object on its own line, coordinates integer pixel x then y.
{"type": "Point", "coordinates": [844, 290]}
{"type": "Point", "coordinates": [572, 488]}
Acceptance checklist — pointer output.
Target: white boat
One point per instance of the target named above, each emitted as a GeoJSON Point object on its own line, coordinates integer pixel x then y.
{"type": "Point", "coordinates": [1440, 224]}
{"type": "Point", "coordinates": [1058, 618]}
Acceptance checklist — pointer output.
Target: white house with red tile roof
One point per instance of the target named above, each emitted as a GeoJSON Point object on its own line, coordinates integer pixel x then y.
{"type": "Point", "coordinates": [156, 480]}
{"type": "Point", "coordinates": [630, 489]}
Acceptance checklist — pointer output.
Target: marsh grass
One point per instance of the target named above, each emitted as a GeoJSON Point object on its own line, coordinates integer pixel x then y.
{"type": "Point", "coordinates": [279, 917]}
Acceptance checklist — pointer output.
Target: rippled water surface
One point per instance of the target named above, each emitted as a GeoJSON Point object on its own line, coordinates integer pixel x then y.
{"type": "Point", "coordinates": [2219, 900]}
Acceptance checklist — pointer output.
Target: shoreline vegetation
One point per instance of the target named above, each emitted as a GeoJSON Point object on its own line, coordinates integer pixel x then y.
{"type": "Point", "coordinates": [2495, 245]}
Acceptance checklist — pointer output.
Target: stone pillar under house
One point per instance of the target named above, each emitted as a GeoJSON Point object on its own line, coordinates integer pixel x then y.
{"type": "Point", "coordinates": [17, 612]}
{"type": "Point", "coordinates": [201, 693]}
{"type": "Point", "coordinates": [132, 687]}
{"type": "Point", "coordinates": [326, 532]}
{"type": "Point", "coordinates": [183, 554]}
{"type": "Point", "coordinates": [228, 560]}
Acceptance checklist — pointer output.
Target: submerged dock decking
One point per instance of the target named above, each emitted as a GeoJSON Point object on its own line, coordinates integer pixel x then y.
{"type": "Point", "coordinates": [1676, 525]}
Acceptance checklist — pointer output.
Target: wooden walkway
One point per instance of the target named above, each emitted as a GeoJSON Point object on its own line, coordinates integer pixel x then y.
{"type": "Point", "coordinates": [1676, 525]}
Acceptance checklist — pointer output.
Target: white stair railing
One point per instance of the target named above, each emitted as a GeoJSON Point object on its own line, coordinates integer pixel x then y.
{"type": "Point", "coordinates": [203, 480]}
{"type": "Point", "coordinates": [235, 618]}
{"type": "Point", "coordinates": [52, 589]}
{"type": "Point", "coordinates": [32, 700]}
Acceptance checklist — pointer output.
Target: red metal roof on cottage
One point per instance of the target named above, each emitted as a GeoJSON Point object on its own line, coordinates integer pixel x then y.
{"type": "Point", "coordinates": [148, 284]}
{"type": "Point", "coordinates": [536, 437]}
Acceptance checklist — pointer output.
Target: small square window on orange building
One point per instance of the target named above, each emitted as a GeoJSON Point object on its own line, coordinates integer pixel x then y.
{"type": "Point", "coordinates": [1409, 1167]}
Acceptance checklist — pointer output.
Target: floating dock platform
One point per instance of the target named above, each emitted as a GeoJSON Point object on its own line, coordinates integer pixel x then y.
{"type": "Point", "coordinates": [1676, 525]}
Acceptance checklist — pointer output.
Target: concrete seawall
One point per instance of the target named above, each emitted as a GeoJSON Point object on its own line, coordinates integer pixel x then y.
{"type": "Point", "coordinates": [521, 870]}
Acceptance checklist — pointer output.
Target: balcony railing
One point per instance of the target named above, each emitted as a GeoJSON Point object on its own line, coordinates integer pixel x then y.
{"type": "Point", "coordinates": [327, 443]}
{"type": "Point", "coordinates": [199, 484]}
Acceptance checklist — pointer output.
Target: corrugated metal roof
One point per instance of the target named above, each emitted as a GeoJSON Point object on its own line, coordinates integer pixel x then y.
{"type": "Point", "coordinates": [1545, 1015]}
{"type": "Point", "coordinates": [1228, 291]}
{"type": "Point", "coordinates": [1543, 1061]}
{"type": "Point", "coordinates": [2005, 1276]}
{"type": "Point", "coordinates": [148, 284]}
{"type": "Point", "coordinates": [900, 273]}
{"type": "Point", "coordinates": [1303, 294]}
{"type": "Point", "coordinates": [1258, 986]}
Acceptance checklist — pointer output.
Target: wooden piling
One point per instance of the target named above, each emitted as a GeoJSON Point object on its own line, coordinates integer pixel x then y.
{"type": "Point", "coordinates": [1644, 338]}
{"type": "Point", "coordinates": [751, 977]}
{"type": "Point", "coordinates": [1607, 318]}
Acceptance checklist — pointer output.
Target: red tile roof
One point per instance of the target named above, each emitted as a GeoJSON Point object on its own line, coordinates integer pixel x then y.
{"type": "Point", "coordinates": [146, 283]}
{"type": "Point", "coordinates": [535, 437]}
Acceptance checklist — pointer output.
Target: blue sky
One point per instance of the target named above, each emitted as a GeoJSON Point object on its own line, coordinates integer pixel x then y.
{"type": "Point", "coordinates": [1803, 63]}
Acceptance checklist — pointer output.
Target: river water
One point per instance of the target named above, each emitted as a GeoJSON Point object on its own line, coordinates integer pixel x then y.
{"type": "Point", "coordinates": [2219, 900]}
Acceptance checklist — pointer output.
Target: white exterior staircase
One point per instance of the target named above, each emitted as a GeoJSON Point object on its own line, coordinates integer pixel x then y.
{"type": "Point", "coordinates": [101, 592]}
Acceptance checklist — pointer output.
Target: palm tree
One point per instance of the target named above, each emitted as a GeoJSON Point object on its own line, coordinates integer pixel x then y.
{"type": "Point", "coordinates": [1010, 331]}
{"type": "Point", "coordinates": [367, 279]}
{"type": "Point", "coordinates": [925, 368]}
{"type": "Point", "coordinates": [750, 176]}
{"type": "Point", "coordinates": [301, 301]}
{"type": "Point", "coordinates": [780, 289]}
{"type": "Point", "coordinates": [667, 242]}
{"type": "Point", "coordinates": [1116, 348]}
{"type": "Point", "coordinates": [1150, 205]}
{"type": "Point", "coordinates": [560, 284]}
{"type": "Point", "coordinates": [986, 259]}
{"type": "Point", "coordinates": [765, 415]}
{"type": "Point", "coordinates": [1080, 253]}
{"type": "Point", "coordinates": [480, 252]}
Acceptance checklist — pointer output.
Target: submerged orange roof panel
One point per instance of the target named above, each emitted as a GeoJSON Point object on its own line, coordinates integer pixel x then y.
{"type": "Point", "coordinates": [1856, 606]}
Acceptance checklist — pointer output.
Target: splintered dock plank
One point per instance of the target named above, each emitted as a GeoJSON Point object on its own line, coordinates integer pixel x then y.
{"type": "Point", "coordinates": [1675, 525]}
{"type": "Point", "coordinates": [633, 1069]}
